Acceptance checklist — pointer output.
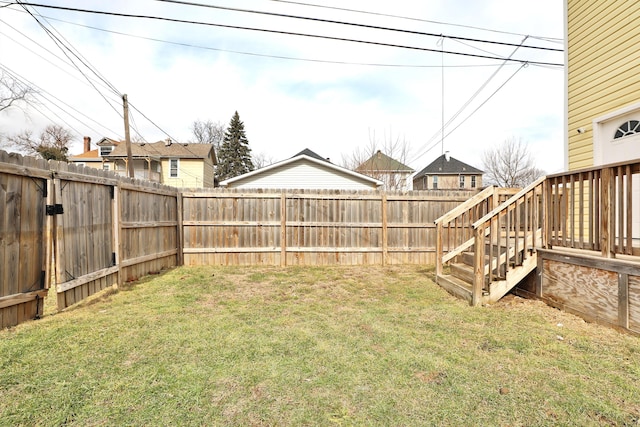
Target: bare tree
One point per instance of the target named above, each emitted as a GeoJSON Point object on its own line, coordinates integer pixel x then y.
{"type": "Point", "coordinates": [13, 93]}
{"type": "Point", "coordinates": [510, 164]}
{"type": "Point", "coordinates": [383, 160]}
{"type": "Point", "coordinates": [52, 144]}
{"type": "Point", "coordinates": [261, 160]}
{"type": "Point", "coordinates": [208, 133]}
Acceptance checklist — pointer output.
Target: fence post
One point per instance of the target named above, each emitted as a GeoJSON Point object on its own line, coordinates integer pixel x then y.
{"type": "Point", "coordinates": [59, 249]}
{"type": "Point", "coordinates": [49, 240]}
{"type": "Point", "coordinates": [116, 219]}
{"type": "Point", "coordinates": [118, 225]}
{"type": "Point", "coordinates": [385, 241]}
{"type": "Point", "coordinates": [283, 229]}
{"type": "Point", "coordinates": [180, 229]}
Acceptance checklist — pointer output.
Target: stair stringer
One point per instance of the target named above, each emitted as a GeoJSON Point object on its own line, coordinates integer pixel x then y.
{"type": "Point", "coordinates": [499, 288]}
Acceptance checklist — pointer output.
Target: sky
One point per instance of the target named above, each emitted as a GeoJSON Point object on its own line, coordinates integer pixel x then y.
{"type": "Point", "coordinates": [292, 92]}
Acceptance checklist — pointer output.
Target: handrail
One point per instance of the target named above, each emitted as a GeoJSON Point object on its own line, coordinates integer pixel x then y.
{"type": "Point", "coordinates": [633, 162]}
{"type": "Point", "coordinates": [455, 226]}
{"type": "Point", "coordinates": [519, 218]}
{"type": "Point", "coordinates": [513, 199]}
{"type": "Point", "coordinates": [480, 197]}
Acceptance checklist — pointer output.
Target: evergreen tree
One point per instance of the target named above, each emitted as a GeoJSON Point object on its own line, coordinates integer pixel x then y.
{"type": "Point", "coordinates": [234, 156]}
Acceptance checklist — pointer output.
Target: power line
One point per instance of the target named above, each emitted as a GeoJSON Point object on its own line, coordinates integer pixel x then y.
{"type": "Point", "coordinates": [64, 49]}
{"type": "Point", "coordinates": [352, 24]}
{"type": "Point", "coordinates": [40, 91]}
{"type": "Point", "coordinates": [151, 121]}
{"type": "Point", "coordinates": [81, 57]}
{"type": "Point", "coordinates": [46, 50]}
{"type": "Point", "coordinates": [182, 21]}
{"type": "Point", "coordinates": [32, 105]}
{"type": "Point", "coordinates": [113, 88]}
{"type": "Point", "coordinates": [272, 56]}
{"type": "Point", "coordinates": [469, 101]}
{"type": "Point", "coordinates": [473, 112]}
{"type": "Point", "coordinates": [550, 39]}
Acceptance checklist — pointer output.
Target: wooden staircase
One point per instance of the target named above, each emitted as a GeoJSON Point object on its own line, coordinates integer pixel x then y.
{"type": "Point", "coordinates": [488, 243]}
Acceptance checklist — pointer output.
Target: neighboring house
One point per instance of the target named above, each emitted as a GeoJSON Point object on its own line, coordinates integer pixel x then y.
{"type": "Point", "coordinates": [603, 87]}
{"type": "Point", "coordinates": [447, 173]}
{"type": "Point", "coordinates": [94, 158]}
{"type": "Point", "coordinates": [305, 170]}
{"type": "Point", "coordinates": [391, 172]}
{"type": "Point", "coordinates": [166, 162]}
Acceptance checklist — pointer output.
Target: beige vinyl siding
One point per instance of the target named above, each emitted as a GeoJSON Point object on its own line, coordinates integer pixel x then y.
{"type": "Point", "coordinates": [191, 174]}
{"type": "Point", "coordinates": [452, 182]}
{"type": "Point", "coordinates": [603, 59]}
{"type": "Point", "coordinates": [303, 175]}
{"type": "Point", "coordinates": [208, 172]}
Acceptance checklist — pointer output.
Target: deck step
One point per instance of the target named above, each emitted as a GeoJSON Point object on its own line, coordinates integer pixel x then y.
{"type": "Point", "coordinates": [455, 286]}
{"type": "Point", "coordinates": [463, 272]}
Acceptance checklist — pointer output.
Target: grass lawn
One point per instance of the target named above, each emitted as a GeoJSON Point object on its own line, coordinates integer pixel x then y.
{"type": "Point", "coordinates": [313, 346]}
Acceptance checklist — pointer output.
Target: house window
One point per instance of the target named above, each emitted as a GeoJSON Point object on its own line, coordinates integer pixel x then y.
{"type": "Point", "coordinates": [461, 181]}
{"type": "Point", "coordinates": [105, 167]}
{"type": "Point", "coordinates": [435, 182]}
{"type": "Point", "coordinates": [173, 168]}
{"type": "Point", "coordinates": [473, 181]}
{"type": "Point", "coordinates": [105, 151]}
{"type": "Point", "coordinates": [627, 128]}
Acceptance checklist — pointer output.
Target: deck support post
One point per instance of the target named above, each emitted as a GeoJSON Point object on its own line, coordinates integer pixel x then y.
{"type": "Point", "coordinates": [478, 263]}
{"type": "Point", "coordinates": [439, 250]}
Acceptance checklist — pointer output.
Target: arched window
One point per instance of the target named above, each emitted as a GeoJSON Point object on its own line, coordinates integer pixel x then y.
{"type": "Point", "coordinates": [628, 128]}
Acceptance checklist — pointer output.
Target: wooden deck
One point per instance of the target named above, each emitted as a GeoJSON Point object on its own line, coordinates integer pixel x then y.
{"type": "Point", "coordinates": [577, 234]}
{"type": "Point", "coordinates": [499, 253]}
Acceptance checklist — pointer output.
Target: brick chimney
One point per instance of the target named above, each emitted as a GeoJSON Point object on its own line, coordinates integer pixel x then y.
{"type": "Point", "coordinates": [87, 144]}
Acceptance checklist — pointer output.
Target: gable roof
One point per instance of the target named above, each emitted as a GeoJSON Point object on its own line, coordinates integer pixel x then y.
{"type": "Point", "coordinates": [307, 152]}
{"type": "Point", "coordinates": [108, 141]}
{"type": "Point", "coordinates": [87, 156]}
{"type": "Point", "coordinates": [161, 150]}
{"type": "Point", "coordinates": [317, 160]}
{"type": "Point", "coordinates": [442, 166]}
{"type": "Point", "coordinates": [380, 162]}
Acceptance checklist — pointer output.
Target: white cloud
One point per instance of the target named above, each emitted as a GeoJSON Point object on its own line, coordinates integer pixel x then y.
{"type": "Point", "coordinates": [291, 105]}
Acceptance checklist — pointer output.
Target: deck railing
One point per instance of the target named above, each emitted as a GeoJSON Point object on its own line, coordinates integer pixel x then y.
{"type": "Point", "coordinates": [595, 209]}
{"type": "Point", "coordinates": [454, 229]}
{"type": "Point", "coordinates": [514, 229]}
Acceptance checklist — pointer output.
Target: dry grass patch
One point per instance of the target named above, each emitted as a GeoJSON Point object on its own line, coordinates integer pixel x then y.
{"type": "Point", "coordinates": [314, 346]}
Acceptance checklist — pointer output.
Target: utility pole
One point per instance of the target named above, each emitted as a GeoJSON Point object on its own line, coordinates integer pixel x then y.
{"type": "Point", "coordinates": [127, 137]}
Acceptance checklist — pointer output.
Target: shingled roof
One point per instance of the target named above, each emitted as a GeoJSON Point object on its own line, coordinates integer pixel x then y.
{"type": "Point", "coordinates": [380, 162]}
{"type": "Point", "coordinates": [162, 149]}
{"type": "Point", "coordinates": [447, 165]}
{"type": "Point", "coordinates": [309, 153]}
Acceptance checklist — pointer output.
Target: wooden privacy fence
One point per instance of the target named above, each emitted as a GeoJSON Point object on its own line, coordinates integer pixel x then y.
{"type": "Point", "coordinates": [24, 194]}
{"type": "Point", "coordinates": [83, 230]}
{"type": "Point", "coordinates": [309, 227]}
{"type": "Point", "coordinates": [80, 229]}
{"type": "Point", "coordinates": [112, 230]}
